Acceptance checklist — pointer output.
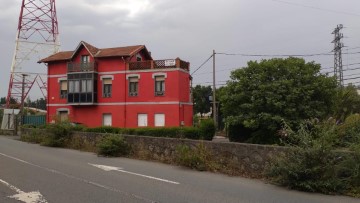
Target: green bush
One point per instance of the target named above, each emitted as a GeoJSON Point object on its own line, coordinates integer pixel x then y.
{"type": "Point", "coordinates": [349, 131]}
{"type": "Point", "coordinates": [34, 137]}
{"type": "Point", "coordinates": [207, 129]}
{"type": "Point", "coordinates": [313, 164]}
{"type": "Point", "coordinates": [174, 132]}
{"type": "Point", "coordinates": [104, 129]}
{"type": "Point", "coordinates": [238, 133]}
{"type": "Point", "coordinates": [57, 134]}
{"type": "Point", "coordinates": [112, 145]}
{"type": "Point", "coordinates": [189, 133]}
{"type": "Point", "coordinates": [198, 158]}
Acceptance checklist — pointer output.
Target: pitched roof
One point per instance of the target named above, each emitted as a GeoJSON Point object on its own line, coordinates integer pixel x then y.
{"type": "Point", "coordinates": [60, 56]}
{"type": "Point", "coordinates": [119, 51]}
{"type": "Point", "coordinates": [95, 52]}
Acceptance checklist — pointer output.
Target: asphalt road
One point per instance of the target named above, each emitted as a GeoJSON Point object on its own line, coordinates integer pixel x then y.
{"type": "Point", "coordinates": [30, 172]}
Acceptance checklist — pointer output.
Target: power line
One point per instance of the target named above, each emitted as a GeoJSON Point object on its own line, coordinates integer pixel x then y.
{"type": "Point", "coordinates": [317, 8]}
{"type": "Point", "coordinates": [276, 55]}
{"type": "Point", "coordinates": [352, 48]}
{"type": "Point", "coordinates": [351, 64]}
{"type": "Point", "coordinates": [202, 65]}
{"type": "Point", "coordinates": [284, 55]}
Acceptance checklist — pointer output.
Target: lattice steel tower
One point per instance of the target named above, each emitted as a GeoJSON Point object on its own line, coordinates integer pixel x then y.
{"type": "Point", "coordinates": [37, 37]}
{"type": "Point", "coordinates": [338, 45]}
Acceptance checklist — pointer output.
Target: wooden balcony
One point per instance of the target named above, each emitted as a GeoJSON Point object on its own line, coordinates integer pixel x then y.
{"type": "Point", "coordinates": [81, 67]}
{"type": "Point", "coordinates": [159, 64]}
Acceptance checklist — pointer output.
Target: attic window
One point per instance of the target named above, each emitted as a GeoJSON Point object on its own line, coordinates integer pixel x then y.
{"type": "Point", "coordinates": [85, 59]}
{"type": "Point", "coordinates": [138, 57]}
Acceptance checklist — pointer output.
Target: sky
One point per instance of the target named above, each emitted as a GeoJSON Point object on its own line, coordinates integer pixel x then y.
{"type": "Point", "coordinates": [192, 29]}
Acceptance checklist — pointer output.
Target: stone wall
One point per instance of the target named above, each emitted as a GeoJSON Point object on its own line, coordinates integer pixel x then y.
{"type": "Point", "coordinates": [7, 132]}
{"type": "Point", "coordinates": [233, 158]}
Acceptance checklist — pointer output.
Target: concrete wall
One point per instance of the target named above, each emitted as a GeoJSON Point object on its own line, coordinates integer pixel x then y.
{"type": "Point", "coordinates": [231, 158]}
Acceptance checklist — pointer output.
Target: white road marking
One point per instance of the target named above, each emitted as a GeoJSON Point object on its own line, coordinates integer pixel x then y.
{"type": "Point", "coordinates": [79, 179]}
{"type": "Point", "coordinates": [27, 197]}
{"type": "Point", "coordinates": [113, 168]}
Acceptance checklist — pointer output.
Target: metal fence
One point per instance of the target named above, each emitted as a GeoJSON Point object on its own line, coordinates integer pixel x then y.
{"type": "Point", "coordinates": [34, 120]}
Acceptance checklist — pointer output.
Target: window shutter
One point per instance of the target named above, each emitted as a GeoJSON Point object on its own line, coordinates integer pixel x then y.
{"type": "Point", "coordinates": [107, 81]}
{"type": "Point", "coordinates": [133, 79]}
{"type": "Point", "coordinates": [63, 85]}
{"type": "Point", "coordinates": [159, 78]}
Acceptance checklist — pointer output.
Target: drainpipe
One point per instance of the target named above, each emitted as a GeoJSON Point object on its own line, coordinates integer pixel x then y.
{"type": "Point", "coordinates": [124, 92]}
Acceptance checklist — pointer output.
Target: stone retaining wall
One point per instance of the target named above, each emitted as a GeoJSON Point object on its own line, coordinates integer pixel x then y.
{"type": "Point", "coordinates": [233, 158]}
{"type": "Point", "coordinates": [7, 132]}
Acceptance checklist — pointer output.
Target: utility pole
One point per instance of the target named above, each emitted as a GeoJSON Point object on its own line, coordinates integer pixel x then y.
{"type": "Point", "coordinates": [22, 97]}
{"type": "Point", "coordinates": [214, 89]}
{"type": "Point", "coordinates": [338, 45]}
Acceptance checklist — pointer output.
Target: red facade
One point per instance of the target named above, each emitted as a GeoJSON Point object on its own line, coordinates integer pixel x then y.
{"type": "Point", "coordinates": [121, 87]}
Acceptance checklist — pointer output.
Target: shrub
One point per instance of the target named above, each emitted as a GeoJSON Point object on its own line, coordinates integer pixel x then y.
{"type": "Point", "coordinates": [207, 129]}
{"type": "Point", "coordinates": [198, 158]}
{"type": "Point", "coordinates": [103, 129]}
{"type": "Point", "coordinates": [112, 145]}
{"type": "Point", "coordinates": [238, 133]}
{"type": "Point", "coordinates": [349, 131]}
{"type": "Point", "coordinates": [190, 133]}
{"type": "Point", "coordinates": [313, 164]}
{"type": "Point", "coordinates": [174, 132]}
{"type": "Point", "coordinates": [57, 134]}
{"type": "Point", "coordinates": [34, 137]}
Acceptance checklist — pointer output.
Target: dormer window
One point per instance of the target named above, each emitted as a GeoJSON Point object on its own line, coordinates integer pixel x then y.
{"type": "Point", "coordinates": [85, 59]}
{"type": "Point", "coordinates": [138, 57]}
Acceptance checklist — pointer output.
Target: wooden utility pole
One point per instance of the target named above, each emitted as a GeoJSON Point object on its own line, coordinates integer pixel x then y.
{"type": "Point", "coordinates": [214, 89]}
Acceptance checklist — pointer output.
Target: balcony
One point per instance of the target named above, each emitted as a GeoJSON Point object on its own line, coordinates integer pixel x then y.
{"type": "Point", "coordinates": [81, 67]}
{"type": "Point", "coordinates": [159, 64]}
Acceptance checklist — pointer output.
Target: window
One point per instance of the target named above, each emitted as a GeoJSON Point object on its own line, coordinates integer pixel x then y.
{"type": "Point", "coordinates": [107, 119]}
{"type": "Point", "coordinates": [86, 86]}
{"type": "Point", "coordinates": [83, 85]}
{"type": "Point", "coordinates": [63, 115]}
{"type": "Point", "coordinates": [133, 86]}
{"type": "Point", "coordinates": [63, 89]}
{"type": "Point", "coordinates": [85, 59]}
{"type": "Point", "coordinates": [159, 85]}
{"type": "Point", "coordinates": [82, 88]}
{"type": "Point", "coordinates": [71, 86]}
{"type": "Point", "coordinates": [107, 87]}
{"type": "Point", "coordinates": [159, 120]}
{"type": "Point", "coordinates": [142, 120]}
{"type": "Point", "coordinates": [76, 86]}
{"type": "Point", "coordinates": [89, 85]}
{"type": "Point", "coordinates": [138, 57]}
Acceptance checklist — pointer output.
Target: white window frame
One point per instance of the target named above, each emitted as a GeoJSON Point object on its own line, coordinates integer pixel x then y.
{"type": "Point", "coordinates": [142, 123]}
{"type": "Point", "coordinates": [103, 119]}
{"type": "Point", "coordinates": [159, 119]}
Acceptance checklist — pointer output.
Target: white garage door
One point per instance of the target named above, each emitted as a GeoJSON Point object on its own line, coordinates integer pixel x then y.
{"type": "Point", "coordinates": [159, 120]}
{"type": "Point", "coordinates": [142, 120]}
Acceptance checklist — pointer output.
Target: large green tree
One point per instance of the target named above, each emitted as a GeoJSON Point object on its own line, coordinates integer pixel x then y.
{"type": "Point", "coordinates": [262, 95]}
{"type": "Point", "coordinates": [347, 102]}
{"type": "Point", "coordinates": [201, 98]}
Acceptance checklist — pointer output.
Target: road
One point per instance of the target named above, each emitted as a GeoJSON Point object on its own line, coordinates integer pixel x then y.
{"type": "Point", "coordinates": [29, 172]}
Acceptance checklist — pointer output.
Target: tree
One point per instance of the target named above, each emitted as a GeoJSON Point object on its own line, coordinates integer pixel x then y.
{"type": "Point", "coordinates": [262, 95]}
{"type": "Point", "coordinates": [3, 100]}
{"type": "Point", "coordinates": [347, 102]}
{"type": "Point", "coordinates": [201, 99]}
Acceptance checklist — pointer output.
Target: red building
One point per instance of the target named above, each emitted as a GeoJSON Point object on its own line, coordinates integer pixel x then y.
{"type": "Point", "coordinates": [122, 87]}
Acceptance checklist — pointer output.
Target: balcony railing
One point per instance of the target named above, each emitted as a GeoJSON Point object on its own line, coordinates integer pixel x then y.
{"type": "Point", "coordinates": [159, 64]}
{"type": "Point", "coordinates": [82, 67]}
